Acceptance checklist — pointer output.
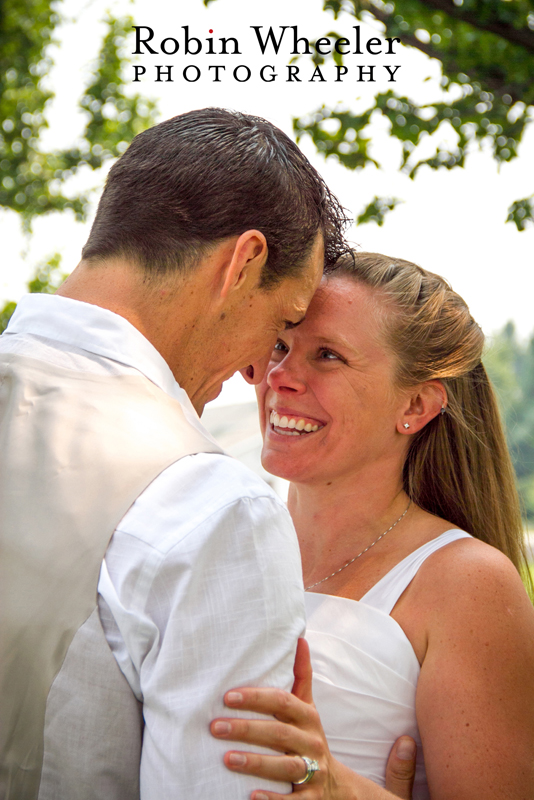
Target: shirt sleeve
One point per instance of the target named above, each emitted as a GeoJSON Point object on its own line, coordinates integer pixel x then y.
{"type": "Point", "coordinates": [203, 582]}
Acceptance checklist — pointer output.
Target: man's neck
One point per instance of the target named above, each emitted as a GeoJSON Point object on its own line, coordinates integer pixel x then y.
{"type": "Point", "coordinates": [160, 309]}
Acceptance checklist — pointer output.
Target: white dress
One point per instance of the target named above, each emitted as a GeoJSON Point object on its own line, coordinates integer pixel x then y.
{"type": "Point", "coordinates": [365, 670]}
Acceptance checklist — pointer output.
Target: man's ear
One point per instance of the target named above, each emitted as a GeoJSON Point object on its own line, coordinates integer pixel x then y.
{"type": "Point", "coordinates": [246, 262]}
{"type": "Point", "coordinates": [423, 404]}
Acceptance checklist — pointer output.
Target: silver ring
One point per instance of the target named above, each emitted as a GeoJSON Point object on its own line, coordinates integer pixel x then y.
{"type": "Point", "coordinates": [312, 766]}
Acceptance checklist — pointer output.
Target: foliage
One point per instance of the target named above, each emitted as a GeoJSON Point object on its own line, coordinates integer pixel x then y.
{"type": "Point", "coordinates": [521, 212]}
{"type": "Point", "coordinates": [47, 278]}
{"type": "Point", "coordinates": [33, 181]}
{"type": "Point", "coordinates": [6, 313]}
{"type": "Point", "coordinates": [510, 365]}
{"type": "Point", "coordinates": [486, 50]}
{"type": "Point", "coordinates": [377, 209]}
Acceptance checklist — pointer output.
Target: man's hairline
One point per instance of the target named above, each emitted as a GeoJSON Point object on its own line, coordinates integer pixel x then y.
{"type": "Point", "coordinates": [156, 279]}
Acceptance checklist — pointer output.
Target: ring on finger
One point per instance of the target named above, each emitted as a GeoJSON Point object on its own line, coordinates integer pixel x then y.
{"type": "Point", "coordinates": [312, 766]}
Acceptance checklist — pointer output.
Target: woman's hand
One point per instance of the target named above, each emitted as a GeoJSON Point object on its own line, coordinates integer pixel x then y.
{"type": "Point", "coordinates": [296, 731]}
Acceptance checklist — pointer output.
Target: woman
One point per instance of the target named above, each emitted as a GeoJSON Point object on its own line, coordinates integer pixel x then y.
{"type": "Point", "coordinates": [379, 411]}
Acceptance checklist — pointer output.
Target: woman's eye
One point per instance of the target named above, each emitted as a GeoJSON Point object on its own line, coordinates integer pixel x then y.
{"type": "Point", "coordinates": [280, 348]}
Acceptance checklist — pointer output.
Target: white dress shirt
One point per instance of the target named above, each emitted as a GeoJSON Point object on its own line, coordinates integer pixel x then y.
{"type": "Point", "coordinates": [201, 588]}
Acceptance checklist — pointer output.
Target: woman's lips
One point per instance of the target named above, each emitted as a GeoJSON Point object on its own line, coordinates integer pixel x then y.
{"type": "Point", "coordinates": [293, 424]}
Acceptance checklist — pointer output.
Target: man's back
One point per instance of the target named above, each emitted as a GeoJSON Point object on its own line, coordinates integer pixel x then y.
{"type": "Point", "coordinates": [190, 588]}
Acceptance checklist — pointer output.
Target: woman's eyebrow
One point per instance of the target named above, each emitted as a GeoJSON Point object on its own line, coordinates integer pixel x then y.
{"type": "Point", "coordinates": [336, 339]}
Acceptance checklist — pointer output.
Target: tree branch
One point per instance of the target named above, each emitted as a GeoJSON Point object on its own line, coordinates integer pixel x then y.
{"type": "Point", "coordinates": [520, 36]}
{"type": "Point", "coordinates": [494, 84]}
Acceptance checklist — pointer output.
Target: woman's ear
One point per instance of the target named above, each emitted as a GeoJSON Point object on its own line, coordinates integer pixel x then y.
{"type": "Point", "coordinates": [424, 403]}
{"type": "Point", "coordinates": [246, 262]}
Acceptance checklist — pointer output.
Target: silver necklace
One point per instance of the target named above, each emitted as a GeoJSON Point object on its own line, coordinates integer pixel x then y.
{"type": "Point", "coordinates": [307, 588]}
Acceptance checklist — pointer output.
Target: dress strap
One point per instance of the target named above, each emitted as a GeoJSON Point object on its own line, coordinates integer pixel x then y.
{"type": "Point", "coordinates": [384, 594]}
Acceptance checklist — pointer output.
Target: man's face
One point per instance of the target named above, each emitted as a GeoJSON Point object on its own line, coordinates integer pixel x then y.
{"type": "Point", "coordinates": [248, 337]}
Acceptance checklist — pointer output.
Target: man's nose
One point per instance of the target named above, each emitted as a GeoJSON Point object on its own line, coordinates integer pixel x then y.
{"type": "Point", "coordinates": [254, 372]}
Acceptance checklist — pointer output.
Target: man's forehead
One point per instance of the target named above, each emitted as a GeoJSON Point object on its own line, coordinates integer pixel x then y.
{"type": "Point", "coordinates": [313, 268]}
{"type": "Point", "coordinates": [290, 325]}
{"type": "Point", "coordinates": [317, 250]}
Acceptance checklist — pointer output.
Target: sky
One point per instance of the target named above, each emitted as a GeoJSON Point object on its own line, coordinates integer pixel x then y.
{"type": "Point", "coordinates": [451, 222]}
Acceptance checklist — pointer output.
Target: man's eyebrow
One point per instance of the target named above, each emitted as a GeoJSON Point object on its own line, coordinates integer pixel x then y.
{"type": "Point", "coordinates": [289, 324]}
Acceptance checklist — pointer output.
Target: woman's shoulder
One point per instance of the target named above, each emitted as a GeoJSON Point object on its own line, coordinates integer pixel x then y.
{"type": "Point", "coordinates": [470, 577]}
{"type": "Point", "coordinates": [465, 594]}
{"type": "Point", "coordinates": [465, 559]}
{"type": "Point", "coordinates": [455, 559]}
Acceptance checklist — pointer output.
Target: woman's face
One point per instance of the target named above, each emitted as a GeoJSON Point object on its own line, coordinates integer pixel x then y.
{"type": "Point", "coordinates": [329, 408]}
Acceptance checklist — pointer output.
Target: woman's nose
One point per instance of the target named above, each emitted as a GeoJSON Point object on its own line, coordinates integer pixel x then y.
{"type": "Point", "coordinates": [283, 378]}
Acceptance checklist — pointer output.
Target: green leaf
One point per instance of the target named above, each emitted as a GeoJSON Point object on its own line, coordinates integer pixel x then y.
{"type": "Point", "coordinates": [33, 180]}
{"type": "Point", "coordinates": [46, 279]}
{"type": "Point", "coordinates": [6, 313]}
{"type": "Point", "coordinates": [377, 210]}
{"type": "Point", "coordinates": [510, 365]}
{"type": "Point", "coordinates": [486, 52]}
{"type": "Point", "coordinates": [521, 213]}
{"type": "Point", "coordinates": [347, 144]}
{"type": "Point", "coordinates": [48, 276]}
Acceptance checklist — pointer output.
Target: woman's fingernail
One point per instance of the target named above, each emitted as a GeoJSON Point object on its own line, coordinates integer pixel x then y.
{"type": "Point", "coordinates": [406, 749]}
{"type": "Point", "coordinates": [221, 727]}
{"type": "Point", "coordinates": [237, 760]}
{"type": "Point", "coordinates": [234, 698]}
{"type": "Point", "coordinates": [260, 796]}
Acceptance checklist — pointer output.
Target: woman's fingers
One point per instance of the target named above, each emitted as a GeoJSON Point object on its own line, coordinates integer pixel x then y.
{"type": "Point", "coordinates": [302, 670]}
{"type": "Point", "coordinates": [296, 728]}
{"type": "Point", "coordinates": [400, 770]}
{"type": "Point", "coordinates": [273, 702]}
{"type": "Point", "coordinates": [276, 768]}
{"type": "Point", "coordinates": [298, 793]}
{"type": "Point", "coordinates": [268, 733]}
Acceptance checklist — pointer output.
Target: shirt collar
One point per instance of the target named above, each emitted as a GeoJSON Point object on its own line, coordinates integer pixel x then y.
{"type": "Point", "coordinates": [100, 332]}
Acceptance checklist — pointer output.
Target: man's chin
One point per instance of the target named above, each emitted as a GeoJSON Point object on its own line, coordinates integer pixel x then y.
{"type": "Point", "coordinates": [214, 395]}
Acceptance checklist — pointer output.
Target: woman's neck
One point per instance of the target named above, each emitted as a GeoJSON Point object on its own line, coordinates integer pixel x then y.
{"type": "Point", "coordinates": [336, 520]}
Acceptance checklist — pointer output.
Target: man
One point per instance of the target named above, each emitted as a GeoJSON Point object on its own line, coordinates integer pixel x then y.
{"type": "Point", "coordinates": [209, 239]}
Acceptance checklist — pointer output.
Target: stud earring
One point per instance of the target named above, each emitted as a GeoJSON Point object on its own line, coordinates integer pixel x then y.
{"type": "Point", "coordinates": [406, 425]}
{"type": "Point", "coordinates": [443, 410]}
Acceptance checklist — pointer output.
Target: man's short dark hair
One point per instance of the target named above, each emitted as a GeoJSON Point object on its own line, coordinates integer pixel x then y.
{"type": "Point", "coordinates": [200, 177]}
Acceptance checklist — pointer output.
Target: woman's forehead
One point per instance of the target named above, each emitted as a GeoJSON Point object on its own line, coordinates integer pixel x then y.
{"type": "Point", "coordinates": [343, 301]}
{"type": "Point", "coordinates": [347, 312]}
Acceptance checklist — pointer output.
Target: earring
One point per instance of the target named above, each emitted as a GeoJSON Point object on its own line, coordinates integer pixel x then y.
{"type": "Point", "coordinates": [406, 425]}
{"type": "Point", "coordinates": [443, 410]}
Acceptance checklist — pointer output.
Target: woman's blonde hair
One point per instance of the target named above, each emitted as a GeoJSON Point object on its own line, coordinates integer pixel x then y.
{"type": "Point", "coordinates": [458, 466]}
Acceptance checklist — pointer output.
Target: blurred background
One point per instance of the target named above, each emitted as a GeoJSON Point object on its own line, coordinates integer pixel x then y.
{"type": "Point", "coordinates": [436, 167]}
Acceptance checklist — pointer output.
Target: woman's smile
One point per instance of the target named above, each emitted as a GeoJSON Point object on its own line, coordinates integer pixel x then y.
{"type": "Point", "coordinates": [287, 423]}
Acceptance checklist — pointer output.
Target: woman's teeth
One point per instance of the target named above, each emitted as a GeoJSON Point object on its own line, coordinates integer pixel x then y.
{"type": "Point", "coordinates": [293, 425]}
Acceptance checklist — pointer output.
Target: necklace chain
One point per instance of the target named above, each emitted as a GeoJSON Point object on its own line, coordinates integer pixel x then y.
{"type": "Point", "coordinates": [363, 551]}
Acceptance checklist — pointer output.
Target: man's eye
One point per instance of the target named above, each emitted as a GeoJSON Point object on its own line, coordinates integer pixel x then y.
{"type": "Point", "coordinates": [328, 355]}
{"type": "Point", "coordinates": [280, 347]}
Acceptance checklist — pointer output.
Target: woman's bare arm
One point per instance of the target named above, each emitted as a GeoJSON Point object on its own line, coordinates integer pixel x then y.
{"type": "Point", "coordinates": [475, 696]}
